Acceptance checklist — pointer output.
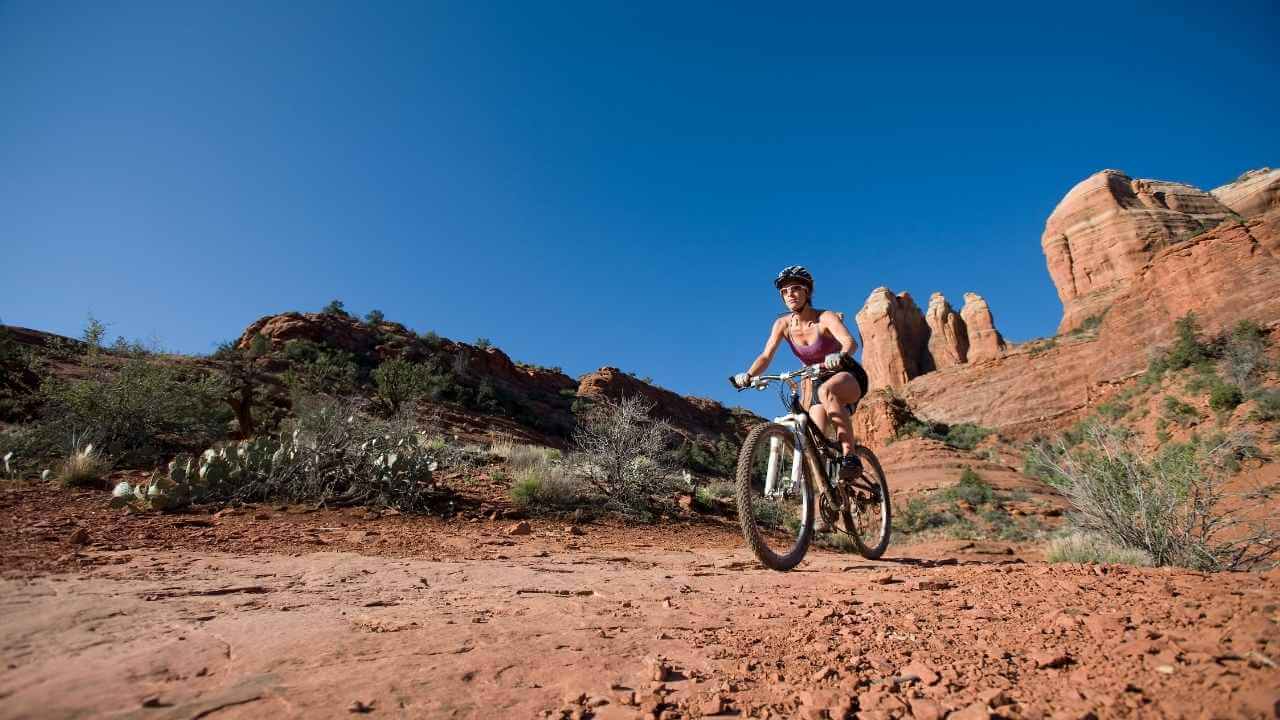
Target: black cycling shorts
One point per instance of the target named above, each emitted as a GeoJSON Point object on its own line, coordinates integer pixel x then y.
{"type": "Point", "coordinates": [852, 367]}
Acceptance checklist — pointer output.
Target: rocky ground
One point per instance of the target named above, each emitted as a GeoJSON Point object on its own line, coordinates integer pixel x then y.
{"type": "Point", "coordinates": [284, 612]}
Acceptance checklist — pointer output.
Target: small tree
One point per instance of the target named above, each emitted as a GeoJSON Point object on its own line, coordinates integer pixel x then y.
{"type": "Point", "coordinates": [93, 333]}
{"type": "Point", "coordinates": [626, 455]}
{"type": "Point", "coordinates": [242, 379]}
{"type": "Point", "coordinates": [398, 381]}
{"type": "Point", "coordinates": [335, 307]}
{"type": "Point", "coordinates": [374, 317]}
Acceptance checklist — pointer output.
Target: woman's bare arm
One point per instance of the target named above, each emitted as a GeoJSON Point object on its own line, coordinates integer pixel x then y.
{"type": "Point", "coordinates": [770, 347]}
{"type": "Point", "coordinates": [834, 325]}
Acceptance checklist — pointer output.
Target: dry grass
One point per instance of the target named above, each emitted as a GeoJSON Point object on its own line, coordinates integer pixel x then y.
{"type": "Point", "coordinates": [1090, 548]}
{"type": "Point", "coordinates": [84, 467]}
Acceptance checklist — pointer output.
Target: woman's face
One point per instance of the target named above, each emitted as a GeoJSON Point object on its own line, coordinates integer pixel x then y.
{"type": "Point", "coordinates": [794, 296]}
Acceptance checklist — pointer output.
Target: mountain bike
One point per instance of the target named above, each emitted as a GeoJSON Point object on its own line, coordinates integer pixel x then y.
{"type": "Point", "coordinates": [779, 466]}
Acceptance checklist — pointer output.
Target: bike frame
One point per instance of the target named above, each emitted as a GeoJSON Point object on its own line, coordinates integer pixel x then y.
{"type": "Point", "coordinates": [799, 424]}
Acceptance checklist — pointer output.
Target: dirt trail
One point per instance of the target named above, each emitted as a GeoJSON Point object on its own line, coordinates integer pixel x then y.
{"type": "Point", "coordinates": [188, 634]}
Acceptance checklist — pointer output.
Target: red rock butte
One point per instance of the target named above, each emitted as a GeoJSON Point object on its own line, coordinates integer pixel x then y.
{"type": "Point", "coordinates": [1128, 258]}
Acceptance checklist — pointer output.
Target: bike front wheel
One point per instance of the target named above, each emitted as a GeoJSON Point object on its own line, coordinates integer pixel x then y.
{"type": "Point", "coordinates": [868, 507]}
{"type": "Point", "coordinates": [775, 498]}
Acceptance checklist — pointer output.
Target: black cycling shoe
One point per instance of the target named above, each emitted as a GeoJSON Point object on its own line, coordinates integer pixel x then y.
{"type": "Point", "coordinates": [850, 468]}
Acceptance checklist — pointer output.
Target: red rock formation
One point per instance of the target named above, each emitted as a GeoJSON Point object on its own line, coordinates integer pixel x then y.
{"type": "Point", "coordinates": [1108, 227]}
{"type": "Point", "coordinates": [948, 336]}
{"type": "Point", "coordinates": [1254, 193]}
{"type": "Point", "coordinates": [985, 342]}
{"type": "Point", "coordinates": [1228, 274]}
{"type": "Point", "coordinates": [895, 338]}
{"type": "Point", "coordinates": [692, 416]}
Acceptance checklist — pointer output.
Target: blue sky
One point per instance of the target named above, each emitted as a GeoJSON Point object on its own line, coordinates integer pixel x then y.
{"type": "Point", "coordinates": [587, 183]}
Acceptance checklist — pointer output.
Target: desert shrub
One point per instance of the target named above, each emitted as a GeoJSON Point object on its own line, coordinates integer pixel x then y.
{"type": "Point", "coordinates": [1202, 380]}
{"type": "Point", "coordinates": [1113, 410]}
{"type": "Point", "coordinates": [1042, 346]}
{"type": "Point", "coordinates": [720, 458]}
{"type": "Point", "coordinates": [1244, 351]}
{"type": "Point", "coordinates": [918, 515]}
{"type": "Point", "coordinates": [1092, 548]}
{"type": "Point", "coordinates": [335, 307]}
{"type": "Point", "coordinates": [545, 486]}
{"type": "Point", "coordinates": [483, 343]}
{"type": "Point", "coordinates": [1267, 405]}
{"type": "Point", "coordinates": [374, 317]}
{"type": "Point", "coordinates": [626, 455]}
{"type": "Point", "coordinates": [965, 435]}
{"type": "Point", "coordinates": [1179, 412]}
{"type": "Point", "coordinates": [487, 398]}
{"type": "Point", "coordinates": [139, 409]}
{"type": "Point", "coordinates": [431, 339]}
{"type": "Point", "coordinates": [398, 381]}
{"type": "Point", "coordinates": [1092, 322]}
{"type": "Point", "coordinates": [83, 466]}
{"type": "Point", "coordinates": [331, 453]}
{"type": "Point", "coordinates": [1224, 397]}
{"type": "Point", "coordinates": [712, 494]}
{"type": "Point", "coordinates": [518, 456]}
{"type": "Point", "coordinates": [971, 489]}
{"type": "Point", "coordinates": [318, 370]}
{"type": "Point", "coordinates": [1187, 350]}
{"type": "Point", "coordinates": [1169, 505]}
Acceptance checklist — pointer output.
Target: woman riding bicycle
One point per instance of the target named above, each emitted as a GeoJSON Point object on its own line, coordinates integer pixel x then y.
{"type": "Point", "coordinates": [817, 336]}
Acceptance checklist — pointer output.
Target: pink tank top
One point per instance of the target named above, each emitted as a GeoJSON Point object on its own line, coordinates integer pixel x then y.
{"type": "Point", "coordinates": [817, 351]}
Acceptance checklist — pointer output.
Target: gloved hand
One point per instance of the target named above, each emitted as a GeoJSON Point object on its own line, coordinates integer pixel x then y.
{"type": "Point", "coordinates": [742, 379]}
{"type": "Point", "coordinates": [833, 361]}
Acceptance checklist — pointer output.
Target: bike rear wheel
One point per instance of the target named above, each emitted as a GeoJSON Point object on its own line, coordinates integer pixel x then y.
{"type": "Point", "coordinates": [776, 515]}
{"type": "Point", "coordinates": [868, 507]}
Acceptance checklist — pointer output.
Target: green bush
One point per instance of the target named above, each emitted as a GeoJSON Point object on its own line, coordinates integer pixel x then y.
{"type": "Point", "coordinates": [964, 436]}
{"type": "Point", "coordinates": [398, 381]}
{"type": "Point", "coordinates": [1179, 412]}
{"type": "Point", "coordinates": [1268, 406]}
{"type": "Point", "coordinates": [1187, 350]}
{"type": "Point", "coordinates": [1224, 398]}
{"type": "Point", "coordinates": [971, 489]}
{"type": "Point", "coordinates": [1114, 410]}
{"type": "Point", "coordinates": [719, 458]}
{"type": "Point", "coordinates": [483, 343]}
{"type": "Point", "coordinates": [137, 411]}
{"type": "Point", "coordinates": [374, 317]}
{"type": "Point", "coordinates": [319, 370]}
{"type": "Point", "coordinates": [335, 307]}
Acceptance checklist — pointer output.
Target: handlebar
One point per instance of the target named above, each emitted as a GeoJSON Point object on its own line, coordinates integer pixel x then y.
{"type": "Point", "coordinates": [761, 381]}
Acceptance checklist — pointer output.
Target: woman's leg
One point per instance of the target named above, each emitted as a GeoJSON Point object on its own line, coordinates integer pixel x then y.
{"type": "Point", "coordinates": [834, 394]}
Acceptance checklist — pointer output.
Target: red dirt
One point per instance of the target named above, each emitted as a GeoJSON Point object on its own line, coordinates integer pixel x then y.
{"type": "Point", "coordinates": [320, 614]}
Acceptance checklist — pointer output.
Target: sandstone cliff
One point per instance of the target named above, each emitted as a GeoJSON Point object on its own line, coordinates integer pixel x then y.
{"type": "Point", "coordinates": [1108, 227]}
{"type": "Point", "coordinates": [1136, 255]}
{"type": "Point", "coordinates": [1254, 193]}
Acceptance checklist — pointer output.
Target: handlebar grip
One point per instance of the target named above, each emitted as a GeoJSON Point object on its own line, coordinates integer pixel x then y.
{"type": "Point", "coordinates": [734, 383]}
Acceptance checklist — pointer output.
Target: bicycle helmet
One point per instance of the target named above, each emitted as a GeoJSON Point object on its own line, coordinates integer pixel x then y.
{"type": "Point", "coordinates": [794, 273]}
